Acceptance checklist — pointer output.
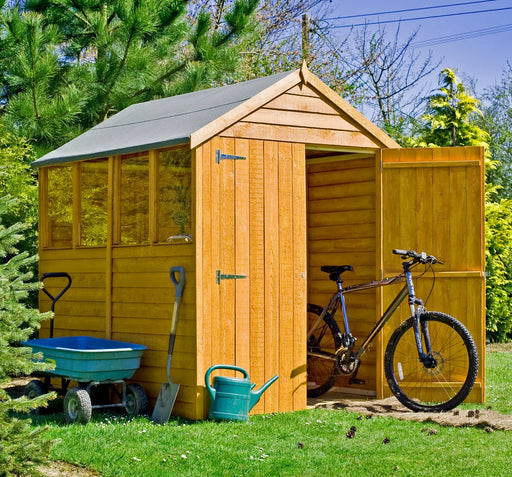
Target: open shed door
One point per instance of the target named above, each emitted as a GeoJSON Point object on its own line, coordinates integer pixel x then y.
{"type": "Point", "coordinates": [432, 200]}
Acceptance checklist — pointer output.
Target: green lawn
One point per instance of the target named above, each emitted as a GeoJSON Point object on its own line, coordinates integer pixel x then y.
{"type": "Point", "coordinates": [312, 443]}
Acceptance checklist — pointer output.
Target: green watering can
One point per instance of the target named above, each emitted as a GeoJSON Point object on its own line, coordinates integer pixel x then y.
{"type": "Point", "coordinates": [232, 398]}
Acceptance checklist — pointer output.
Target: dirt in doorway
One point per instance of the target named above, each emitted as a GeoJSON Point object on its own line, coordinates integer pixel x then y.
{"type": "Point", "coordinates": [391, 407]}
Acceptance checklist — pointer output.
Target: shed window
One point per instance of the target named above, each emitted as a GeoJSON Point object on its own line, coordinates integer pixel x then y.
{"type": "Point", "coordinates": [174, 193]}
{"type": "Point", "coordinates": [134, 200]}
{"type": "Point", "coordinates": [60, 207]}
{"type": "Point", "coordinates": [93, 207]}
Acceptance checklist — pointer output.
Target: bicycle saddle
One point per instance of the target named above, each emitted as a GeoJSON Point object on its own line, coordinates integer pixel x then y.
{"type": "Point", "coordinates": [335, 271]}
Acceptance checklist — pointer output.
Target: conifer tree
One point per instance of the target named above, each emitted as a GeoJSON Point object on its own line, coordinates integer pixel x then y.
{"type": "Point", "coordinates": [69, 64]}
{"type": "Point", "coordinates": [452, 120]}
{"type": "Point", "coordinates": [20, 445]}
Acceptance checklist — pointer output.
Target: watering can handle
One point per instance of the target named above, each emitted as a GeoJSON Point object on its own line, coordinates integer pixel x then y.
{"type": "Point", "coordinates": [179, 283]}
{"type": "Point", "coordinates": [221, 366]}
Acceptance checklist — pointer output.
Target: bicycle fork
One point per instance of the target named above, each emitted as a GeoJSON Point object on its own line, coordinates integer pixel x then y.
{"type": "Point", "coordinates": [417, 309]}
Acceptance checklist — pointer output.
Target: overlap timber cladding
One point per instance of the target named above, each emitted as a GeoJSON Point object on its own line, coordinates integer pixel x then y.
{"type": "Point", "coordinates": [302, 115]}
{"type": "Point", "coordinates": [137, 309]}
{"type": "Point", "coordinates": [81, 310]}
{"type": "Point", "coordinates": [251, 221]}
{"type": "Point", "coordinates": [342, 230]}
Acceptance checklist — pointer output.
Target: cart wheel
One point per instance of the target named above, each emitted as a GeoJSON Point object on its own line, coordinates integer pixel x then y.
{"type": "Point", "coordinates": [77, 406]}
{"type": "Point", "coordinates": [34, 389]}
{"type": "Point", "coordinates": [136, 400]}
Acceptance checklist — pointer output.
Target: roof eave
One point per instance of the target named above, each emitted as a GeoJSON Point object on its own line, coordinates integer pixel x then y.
{"type": "Point", "coordinates": [113, 152]}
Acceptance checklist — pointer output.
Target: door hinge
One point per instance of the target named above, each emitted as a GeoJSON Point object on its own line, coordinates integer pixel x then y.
{"type": "Point", "coordinates": [219, 156]}
{"type": "Point", "coordinates": [223, 276]}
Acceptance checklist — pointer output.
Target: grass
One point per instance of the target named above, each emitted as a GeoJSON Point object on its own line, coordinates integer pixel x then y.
{"type": "Point", "coordinates": [312, 442]}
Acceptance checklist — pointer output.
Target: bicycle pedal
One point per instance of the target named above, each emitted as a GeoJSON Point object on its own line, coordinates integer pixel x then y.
{"type": "Point", "coordinates": [356, 381]}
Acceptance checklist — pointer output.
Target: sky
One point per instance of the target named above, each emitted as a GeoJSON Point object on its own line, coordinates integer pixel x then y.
{"type": "Point", "coordinates": [478, 44]}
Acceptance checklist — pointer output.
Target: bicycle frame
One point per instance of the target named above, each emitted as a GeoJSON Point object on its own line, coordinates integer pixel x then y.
{"type": "Point", "coordinates": [416, 306]}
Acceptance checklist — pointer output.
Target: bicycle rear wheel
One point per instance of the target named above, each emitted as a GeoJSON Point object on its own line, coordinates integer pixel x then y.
{"type": "Point", "coordinates": [447, 379]}
{"type": "Point", "coordinates": [322, 345]}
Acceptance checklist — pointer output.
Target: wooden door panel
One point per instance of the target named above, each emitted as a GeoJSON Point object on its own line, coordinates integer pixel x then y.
{"type": "Point", "coordinates": [433, 201]}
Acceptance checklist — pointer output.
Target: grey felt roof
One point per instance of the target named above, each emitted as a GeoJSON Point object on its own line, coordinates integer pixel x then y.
{"type": "Point", "coordinates": [158, 123]}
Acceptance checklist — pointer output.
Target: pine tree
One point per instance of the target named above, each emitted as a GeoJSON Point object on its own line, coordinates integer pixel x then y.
{"type": "Point", "coordinates": [69, 64]}
{"type": "Point", "coordinates": [39, 103]}
{"type": "Point", "coordinates": [21, 446]}
{"type": "Point", "coordinates": [18, 179]}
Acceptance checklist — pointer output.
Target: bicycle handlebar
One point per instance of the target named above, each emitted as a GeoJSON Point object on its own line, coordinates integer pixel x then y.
{"type": "Point", "coordinates": [417, 257]}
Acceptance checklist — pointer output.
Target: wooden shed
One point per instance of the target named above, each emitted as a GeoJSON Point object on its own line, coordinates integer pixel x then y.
{"type": "Point", "coordinates": [251, 187]}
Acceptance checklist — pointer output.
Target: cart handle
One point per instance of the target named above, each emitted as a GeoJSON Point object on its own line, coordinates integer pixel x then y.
{"type": "Point", "coordinates": [56, 298]}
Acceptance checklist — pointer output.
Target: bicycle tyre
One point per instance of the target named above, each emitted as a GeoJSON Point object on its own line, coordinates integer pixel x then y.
{"type": "Point", "coordinates": [446, 384]}
{"type": "Point", "coordinates": [322, 373]}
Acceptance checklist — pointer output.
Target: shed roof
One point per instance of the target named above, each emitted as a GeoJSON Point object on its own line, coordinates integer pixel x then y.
{"type": "Point", "coordinates": [188, 117]}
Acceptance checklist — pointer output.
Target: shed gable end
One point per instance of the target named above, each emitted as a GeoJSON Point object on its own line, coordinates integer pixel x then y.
{"type": "Point", "coordinates": [302, 114]}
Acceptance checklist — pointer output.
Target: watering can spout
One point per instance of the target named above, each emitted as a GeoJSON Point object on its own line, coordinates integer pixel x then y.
{"type": "Point", "coordinates": [256, 395]}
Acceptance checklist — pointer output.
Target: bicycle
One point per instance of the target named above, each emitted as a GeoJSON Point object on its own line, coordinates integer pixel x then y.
{"type": "Point", "coordinates": [430, 363]}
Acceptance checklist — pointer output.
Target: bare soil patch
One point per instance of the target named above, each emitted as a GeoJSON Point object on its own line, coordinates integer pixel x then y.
{"type": "Point", "coordinates": [391, 407]}
{"type": "Point", "coordinates": [59, 469]}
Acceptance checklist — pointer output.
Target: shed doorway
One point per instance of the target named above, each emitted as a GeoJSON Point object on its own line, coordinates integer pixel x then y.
{"type": "Point", "coordinates": [361, 205]}
{"type": "Point", "coordinates": [342, 230]}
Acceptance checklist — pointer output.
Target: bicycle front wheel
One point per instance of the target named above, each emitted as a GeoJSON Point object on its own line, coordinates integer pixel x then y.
{"type": "Point", "coordinates": [322, 345]}
{"type": "Point", "coordinates": [445, 379]}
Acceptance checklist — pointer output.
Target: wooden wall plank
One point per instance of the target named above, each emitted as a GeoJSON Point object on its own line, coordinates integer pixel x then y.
{"type": "Point", "coordinates": [154, 251]}
{"type": "Point", "coordinates": [299, 376]}
{"type": "Point", "coordinates": [286, 291]}
{"type": "Point", "coordinates": [226, 198]}
{"type": "Point", "coordinates": [242, 256]}
{"type": "Point", "coordinates": [75, 265]}
{"type": "Point", "coordinates": [153, 264]}
{"type": "Point", "coordinates": [324, 137]}
{"type": "Point", "coordinates": [344, 176]}
{"type": "Point", "coordinates": [272, 284]}
{"type": "Point", "coordinates": [300, 119]}
{"type": "Point", "coordinates": [293, 102]}
{"type": "Point", "coordinates": [365, 202]}
{"type": "Point", "coordinates": [257, 267]}
{"type": "Point", "coordinates": [202, 235]}
{"type": "Point", "coordinates": [70, 254]}
{"type": "Point", "coordinates": [349, 217]}
{"type": "Point", "coordinates": [216, 263]}
{"type": "Point", "coordinates": [334, 191]}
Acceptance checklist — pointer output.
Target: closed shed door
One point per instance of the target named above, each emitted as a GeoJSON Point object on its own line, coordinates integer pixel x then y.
{"type": "Point", "coordinates": [251, 231]}
{"type": "Point", "coordinates": [432, 200]}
